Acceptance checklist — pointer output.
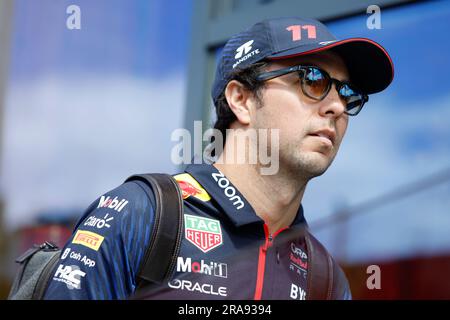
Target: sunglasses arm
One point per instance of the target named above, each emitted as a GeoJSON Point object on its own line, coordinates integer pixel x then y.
{"type": "Point", "coordinates": [277, 73]}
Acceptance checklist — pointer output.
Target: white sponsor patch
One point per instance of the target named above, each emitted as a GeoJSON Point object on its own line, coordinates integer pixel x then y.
{"type": "Point", "coordinates": [228, 190]}
{"type": "Point", "coordinates": [212, 268]}
{"type": "Point", "coordinates": [99, 223]}
{"type": "Point", "coordinates": [205, 288]}
{"type": "Point", "coordinates": [115, 204]}
{"type": "Point", "coordinates": [70, 275]}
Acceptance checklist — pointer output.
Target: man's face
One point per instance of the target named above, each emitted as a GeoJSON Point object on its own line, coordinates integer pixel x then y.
{"type": "Point", "coordinates": [301, 120]}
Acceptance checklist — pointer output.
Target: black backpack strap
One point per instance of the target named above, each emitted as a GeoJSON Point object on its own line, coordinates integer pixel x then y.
{"type": "Point", "coordinates": [320, 270]}
{"type": "Point", "coordinates": [161, 254]}
{"type": "Point", "coordinates": [326, 280]}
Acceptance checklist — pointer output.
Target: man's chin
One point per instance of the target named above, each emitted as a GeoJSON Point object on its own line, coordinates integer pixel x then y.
{"type": "Point", "coordinates": [313, 164]}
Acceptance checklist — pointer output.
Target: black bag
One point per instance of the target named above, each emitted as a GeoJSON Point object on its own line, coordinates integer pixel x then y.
{"type": "Point", "coordinates": [326, 279]}
{"type": "Point", "coordinates": [35, 268]}
{"type": "Point", "coordinates": [37, 264]}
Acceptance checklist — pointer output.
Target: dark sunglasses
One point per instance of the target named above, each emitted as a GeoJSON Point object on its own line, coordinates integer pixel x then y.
{"type": "Point", "coordinates": [316, 84]}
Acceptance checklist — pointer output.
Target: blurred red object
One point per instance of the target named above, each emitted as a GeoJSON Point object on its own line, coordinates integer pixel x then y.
{"type": "Point", "coordinates": [407, 279]}
{"type": "Point", "coordinates": [55, 233]}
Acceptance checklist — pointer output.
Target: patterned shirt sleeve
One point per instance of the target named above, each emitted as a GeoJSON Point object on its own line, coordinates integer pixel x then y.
{"type": "Point", "coordinates": [103, 255]}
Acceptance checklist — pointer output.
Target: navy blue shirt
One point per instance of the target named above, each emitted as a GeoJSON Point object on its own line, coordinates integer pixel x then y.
{"type": "Point", "coordinates": [226, 251]}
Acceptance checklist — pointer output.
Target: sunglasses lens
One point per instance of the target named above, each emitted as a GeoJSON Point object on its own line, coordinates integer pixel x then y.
{"type": "Point", "coordinates": [315, 83]}
{"type": "Point", "coordinates": [353, 99]}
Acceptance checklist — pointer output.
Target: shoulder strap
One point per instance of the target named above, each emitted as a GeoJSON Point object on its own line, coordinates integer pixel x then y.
{"type": "Point", "coordinates": [162, 252]}
{"type": "Point", "coordinates": [326, 279]}
{"type": "Point", "coordinates": [320, 270]}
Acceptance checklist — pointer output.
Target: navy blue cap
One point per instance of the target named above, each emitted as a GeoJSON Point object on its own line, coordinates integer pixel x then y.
{"type": "Point", "coordinates": [368, 63]}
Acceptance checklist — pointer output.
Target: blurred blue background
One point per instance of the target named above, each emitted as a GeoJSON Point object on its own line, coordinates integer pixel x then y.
{"type": "Point", "coordinates": [84, 109]}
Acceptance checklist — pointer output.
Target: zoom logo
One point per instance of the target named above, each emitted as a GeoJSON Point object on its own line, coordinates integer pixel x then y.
{"type": "Point", "coordinates": [228, 190]}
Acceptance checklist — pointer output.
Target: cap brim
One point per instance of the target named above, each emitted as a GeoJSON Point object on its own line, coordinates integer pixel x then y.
{"type": "Point", "coordinates": [369, 65]}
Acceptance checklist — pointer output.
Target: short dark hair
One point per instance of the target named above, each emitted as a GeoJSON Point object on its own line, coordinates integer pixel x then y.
{"type": "Point", "coordinates": [225, 116]}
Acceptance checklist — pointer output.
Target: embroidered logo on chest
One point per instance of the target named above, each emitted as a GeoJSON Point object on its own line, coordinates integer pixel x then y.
{"type": "Point", "coordinates": [204, 233]}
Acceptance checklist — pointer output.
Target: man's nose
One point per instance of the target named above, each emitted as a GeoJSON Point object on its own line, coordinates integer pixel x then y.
{"type": "Point", "coordinates": [332, 105]}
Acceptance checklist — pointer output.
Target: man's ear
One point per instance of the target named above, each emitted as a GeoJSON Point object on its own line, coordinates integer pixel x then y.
{"type": "Point", "coordinates": [239, 99]}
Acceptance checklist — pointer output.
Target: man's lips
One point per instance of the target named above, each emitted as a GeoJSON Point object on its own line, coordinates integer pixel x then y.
{"type": "Point", "coordinates": [325, 134]}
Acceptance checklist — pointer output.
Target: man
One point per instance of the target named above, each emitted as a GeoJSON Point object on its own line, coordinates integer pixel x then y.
{"type": "Point", "coordinates": [241, 227]}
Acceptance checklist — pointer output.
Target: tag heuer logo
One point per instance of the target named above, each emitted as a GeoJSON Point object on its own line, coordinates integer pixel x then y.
{"type": "Point", "coordinates": [204, 233]}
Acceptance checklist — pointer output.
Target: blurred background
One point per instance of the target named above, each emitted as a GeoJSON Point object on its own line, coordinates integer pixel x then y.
{"type": "Point", "coordinates": [91, 94]}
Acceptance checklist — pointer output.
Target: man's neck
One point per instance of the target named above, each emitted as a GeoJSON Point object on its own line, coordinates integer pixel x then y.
{"type": "Point", "coordinates": [274, 198]}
